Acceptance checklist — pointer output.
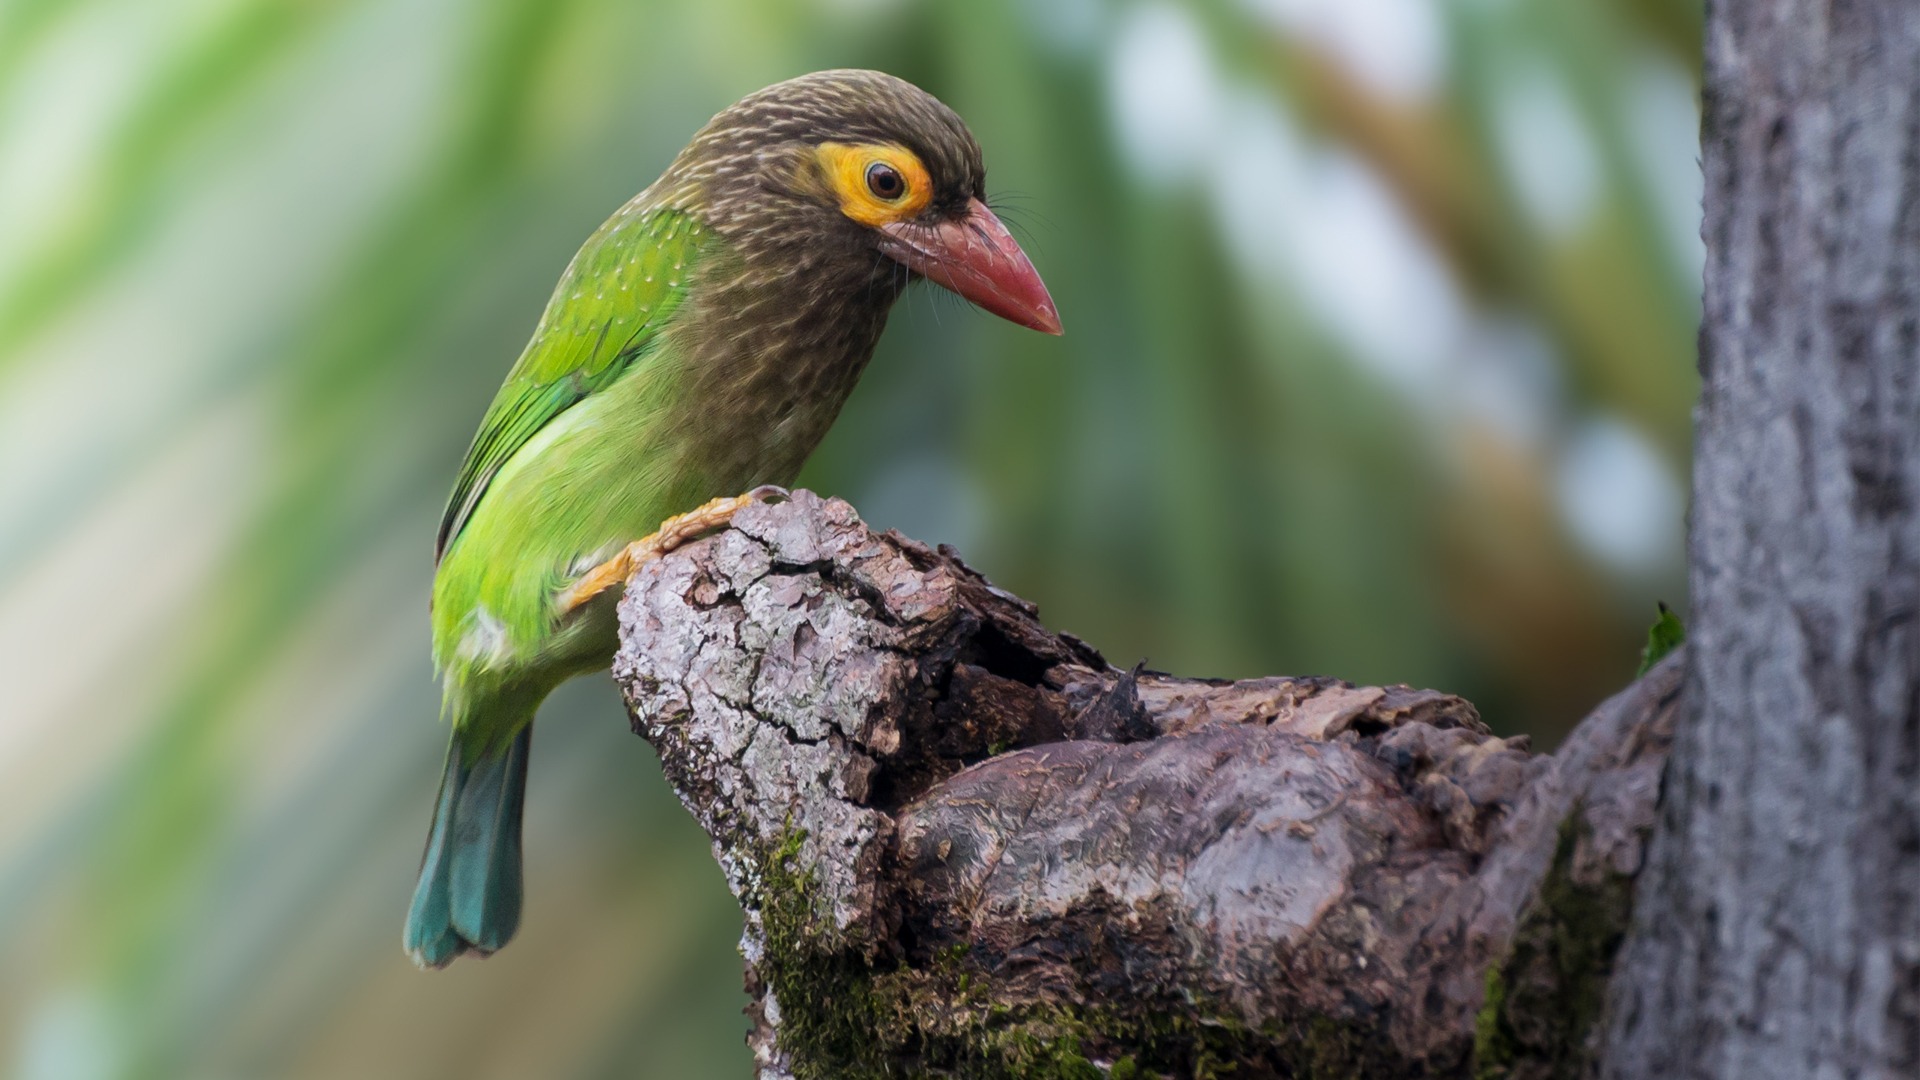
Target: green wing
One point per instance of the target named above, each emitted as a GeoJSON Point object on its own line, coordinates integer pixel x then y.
{"type": "Point", "coordinates": [616, 295]}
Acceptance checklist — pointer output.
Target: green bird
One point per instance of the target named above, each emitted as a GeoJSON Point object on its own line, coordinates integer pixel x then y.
{"type": "Point", "coordinates": [699, 345]}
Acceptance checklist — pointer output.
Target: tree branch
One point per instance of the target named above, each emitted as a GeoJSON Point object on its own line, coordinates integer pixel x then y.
{"type": "Point", "coordinates": [966, 844]}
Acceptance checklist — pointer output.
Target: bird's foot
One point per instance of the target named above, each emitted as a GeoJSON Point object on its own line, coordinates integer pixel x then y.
{"type": "Point", "coordinates": [672, 533]}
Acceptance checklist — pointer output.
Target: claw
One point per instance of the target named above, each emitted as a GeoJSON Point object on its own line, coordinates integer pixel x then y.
{"type": "Point", "coordinates": [769, 493]}
{"type": "Point", "coordinates": [672, 533]}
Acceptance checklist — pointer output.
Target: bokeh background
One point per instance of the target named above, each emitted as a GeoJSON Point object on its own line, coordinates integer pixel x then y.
{"type": "Point", "coordinates": [1380, 319]}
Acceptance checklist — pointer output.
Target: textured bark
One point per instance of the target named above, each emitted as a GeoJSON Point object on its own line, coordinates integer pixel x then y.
{"type": "Point", "coordinates": [968, 845]}
{"type": "Point", "coordinates": [1779, 928]}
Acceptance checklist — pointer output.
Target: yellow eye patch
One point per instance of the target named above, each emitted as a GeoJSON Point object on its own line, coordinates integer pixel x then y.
{"type": "Point", "coordinates": [876, 183]}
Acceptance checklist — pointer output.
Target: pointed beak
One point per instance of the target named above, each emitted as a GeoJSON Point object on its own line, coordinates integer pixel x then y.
{"type": "Point", "coordinates": [975, 256]}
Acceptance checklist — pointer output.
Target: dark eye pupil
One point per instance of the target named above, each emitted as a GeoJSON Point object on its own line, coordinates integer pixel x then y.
{"type": "Point", "coordinates": [885, 182]}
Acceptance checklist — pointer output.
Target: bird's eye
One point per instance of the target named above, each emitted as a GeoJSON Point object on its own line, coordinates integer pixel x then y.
{"type": "Point", "coordinates": [885, 181]}
{"type": "Point", "coordinates": [875, 183]}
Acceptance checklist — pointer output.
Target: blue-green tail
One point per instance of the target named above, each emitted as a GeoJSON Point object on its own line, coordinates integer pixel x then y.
{"type": "Point", "coordinates": [468, 897]}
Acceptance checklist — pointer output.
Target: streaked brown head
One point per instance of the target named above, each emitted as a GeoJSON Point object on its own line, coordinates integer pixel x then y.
{"type": "Point", "coordinates": [857, 180]}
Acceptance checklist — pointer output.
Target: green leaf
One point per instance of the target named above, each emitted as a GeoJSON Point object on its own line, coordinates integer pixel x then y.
{"type": "Point", "coordinates": [1665, 635]}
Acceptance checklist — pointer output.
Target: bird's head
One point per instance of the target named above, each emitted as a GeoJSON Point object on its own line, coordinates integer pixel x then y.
{"type": "Point", "coordinates": [865, 174]}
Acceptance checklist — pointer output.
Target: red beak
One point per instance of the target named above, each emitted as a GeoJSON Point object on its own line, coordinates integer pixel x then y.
{"type": "Point", "coordinates": [976, 257]}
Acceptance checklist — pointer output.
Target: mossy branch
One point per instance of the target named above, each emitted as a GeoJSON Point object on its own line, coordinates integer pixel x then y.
{"type": "Point", "coordinates": [966, 845]}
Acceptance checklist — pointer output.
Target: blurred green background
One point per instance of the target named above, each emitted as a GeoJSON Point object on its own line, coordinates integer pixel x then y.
{"type": "Point", "coordinates": [1378, 364]}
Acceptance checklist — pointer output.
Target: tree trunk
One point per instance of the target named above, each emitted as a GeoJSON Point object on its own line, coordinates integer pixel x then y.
{"type": "Point", "coordinates": [1778, 932]}
{"type": "Point", "coordinates": [966, 845]}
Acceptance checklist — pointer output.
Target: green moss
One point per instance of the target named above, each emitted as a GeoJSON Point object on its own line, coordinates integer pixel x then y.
{"type": "Point", "coordinates": [1334, 1051]}
{"type": "Point", "coordinates": [1545, 998]}
{"type": "Point", "coordinates": [829, 1013]}
{"type": "Point", "coordinates": [1492, 1047]}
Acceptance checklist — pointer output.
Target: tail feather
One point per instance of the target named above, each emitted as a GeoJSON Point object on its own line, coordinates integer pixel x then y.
{"type": "Point", "coordinates": [468, 897]}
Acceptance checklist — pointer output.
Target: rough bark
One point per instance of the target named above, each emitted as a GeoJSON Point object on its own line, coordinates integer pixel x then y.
{"type": "Point", "coordinates": [1779, 928]}
{"type": "Point", "coordinates": [967, 845]}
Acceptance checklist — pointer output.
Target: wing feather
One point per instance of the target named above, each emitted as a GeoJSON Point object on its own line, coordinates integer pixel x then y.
{"type": "Point", "coordinates": [616, 295]}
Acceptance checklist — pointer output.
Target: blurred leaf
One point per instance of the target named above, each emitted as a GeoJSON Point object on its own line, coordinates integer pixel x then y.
{"type": "Point", "coordinates": [1324, 361]}
{"type": "Point", "coordinates": [1665, 635]}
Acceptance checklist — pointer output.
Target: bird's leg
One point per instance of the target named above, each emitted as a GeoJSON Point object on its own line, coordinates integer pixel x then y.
{"type": "Point", "coordinates": [672, 533]}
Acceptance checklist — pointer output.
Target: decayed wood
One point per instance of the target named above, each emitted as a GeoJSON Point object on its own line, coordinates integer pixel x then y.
{"type": "Point", "coordinates": [967, 845]}
{"type": "Point", "coordinates": [1780, 934]}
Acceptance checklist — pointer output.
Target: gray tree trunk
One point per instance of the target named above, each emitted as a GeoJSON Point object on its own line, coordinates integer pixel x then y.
{"type": "Point", "coordinates": [1778, 926]}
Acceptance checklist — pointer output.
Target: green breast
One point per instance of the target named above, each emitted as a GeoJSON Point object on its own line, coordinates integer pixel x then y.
{"type": "Point", "coordinates": [602, 474]}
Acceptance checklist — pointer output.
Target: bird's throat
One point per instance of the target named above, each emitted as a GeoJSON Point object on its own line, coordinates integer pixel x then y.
{"type": "Point", "coordinates": [772, 358]}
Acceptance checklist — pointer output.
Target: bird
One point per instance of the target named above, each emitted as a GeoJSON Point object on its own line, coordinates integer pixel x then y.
{"type": "Point", "coordinates": [694, 352]}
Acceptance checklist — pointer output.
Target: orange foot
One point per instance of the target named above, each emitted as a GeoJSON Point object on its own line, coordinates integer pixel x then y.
{"type": "Point", "coordinates": [672, 533]}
